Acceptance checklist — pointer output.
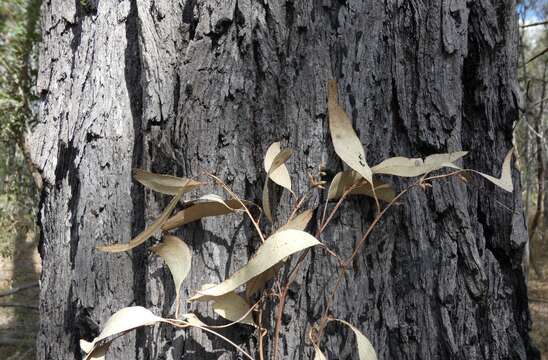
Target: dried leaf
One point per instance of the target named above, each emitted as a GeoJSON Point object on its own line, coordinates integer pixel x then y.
{"type": "Point", "coordinates": [505, 180]}
{"type": "Point", "coordinates": [165, 184]}
{"type": "Point", "coordinates": [148, 232]}
{"type": "Point", "coordinates": [406, 167]}
{"type": "Point", "coordinates": [178, 258]}
{"type": "Point", "coordinates": [280, 175]}
{"type": "Point", "coordinates": [208, 205]}
{"type": "Point", "coordinates": [278, 161]}
{"type": "Point", "coordinates": [318, 354]}
{"type": "Point", "coordinates": [273, 250]}
{"type": "Point", "coordinates": [299, 222]}
{"type": "Point", "coordinates": [258, 282]}
{"type": "Point", "coordinates": [365, 348]}
{"type": "Point", "coordinates": [193, 320]}
{"type": "Point", "coordinates": [233, 307]}
{"type": "Point", "coordinates": [122, 321]}
{"type": "Point", "coordinates": [345, 179]}
{"type": "Point", "coordinates": [99, 353]}
{"type": "Point", "coordinates": [86, 346]}
{"type": "Point", "coordinates": [345, 141]}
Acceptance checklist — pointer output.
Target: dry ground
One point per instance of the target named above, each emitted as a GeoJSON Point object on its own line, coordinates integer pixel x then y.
{"type": "Point", "coordinates": [19, 324]}
{"type": "Point", "coordinates": [538, 298]}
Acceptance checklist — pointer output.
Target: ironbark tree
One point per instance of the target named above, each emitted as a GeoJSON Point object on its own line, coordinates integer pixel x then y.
{"type": "Point", "coordinates": [185, 86]}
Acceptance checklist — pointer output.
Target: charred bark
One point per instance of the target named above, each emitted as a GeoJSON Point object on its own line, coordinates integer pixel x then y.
{"type": "Point", "coordinates": [185, 86]}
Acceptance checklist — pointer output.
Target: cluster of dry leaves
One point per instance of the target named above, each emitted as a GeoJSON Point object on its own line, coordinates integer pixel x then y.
{"type": "Point", "coordinates": [280, 245]}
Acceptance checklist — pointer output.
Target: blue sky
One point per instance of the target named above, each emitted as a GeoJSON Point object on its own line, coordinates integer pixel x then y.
{"type": "Point", "coordinates": [533, 15]}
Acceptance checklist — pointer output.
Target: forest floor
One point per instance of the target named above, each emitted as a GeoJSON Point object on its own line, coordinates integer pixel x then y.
{"type": "Point", "coordinates": [19, 312]}
{"type": "Point", "coordinates": [538, 300]}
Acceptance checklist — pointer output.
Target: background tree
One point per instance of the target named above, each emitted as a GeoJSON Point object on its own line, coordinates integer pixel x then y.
{"type": "Point", "coordinates": [19, 23]}
{"type": "Point", "coordinates": [531, 144]}
{"type": "Point", "coordinates": [183, 87]}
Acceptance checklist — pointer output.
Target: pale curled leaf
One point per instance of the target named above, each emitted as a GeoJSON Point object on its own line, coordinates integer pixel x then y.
{"type": "Point", "coordinates": [406, 167]}
{"type": "Point", "coordinates": [365, 348]}
{"type": "Point", "coordinates": [318, 354]}
{"type": "Point", "coordinates": [505, 180]}
{"type": "Point", "coordinates": [193, 320]}
{"type": "Point", "coordinates": [148, 232]}
{"type": "Point", "coordinates": [86, 346]}
{"type": "Point", "coordinates": [299, 222]}
{"type": "Point", "coordinates": [279, 175]}
{"type": "Point", "coordinates": [120, 322]}
{"type": "Point", "coordinates": [258, 282]}
{"type": "Point", "coordinates": [345, 179]}
{"type": "Point", "coordinates": [345, 140]}
{"type": "Point", "coordinates": [273, 250]}
{"type": "Point", "coordinates": [99, 353]}
{"type": "Point", "coordinates": [233, 307]}
{"type": "Point", "coordinates": [165, 184]}
{"type": "Point", "coordinates": [278, 161]}
{"type": "Point", "coordinates": [206, 206]}
{"type": "Point", "coordinates": [178, 258]}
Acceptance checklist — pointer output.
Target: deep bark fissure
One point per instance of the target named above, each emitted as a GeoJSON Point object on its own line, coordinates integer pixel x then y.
{"type": "Point", "coordinates": [204, 85]}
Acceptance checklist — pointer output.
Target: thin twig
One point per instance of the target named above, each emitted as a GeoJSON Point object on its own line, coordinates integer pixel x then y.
{"type": "Point", "coordinates": [237, 321]}
{"type": "Point", "coordinates": [18, 288]}
{"type": "Point", "coordinates": [25, 306]}
{"type": "Point", "coordinates": [184, 325]}
{"type": "Point", "coordinates": [537, 55]}
{"type": "Point", "coordinates": [534, 24]}
{"type": "Point", "coordinates": [298, 205]}
{"type": "Point", "coordinates": [544, 301]}
{"type": "Point", "coordinates": [293, 272]}
{"type": "Point", "coordinates": [227, 189]}
{"type": "Point", "coordinates": [361, 242]}
{"type": "Point", "coordinates": [539, 102]}
{"type": "Point", "coordinates": [261, 335]}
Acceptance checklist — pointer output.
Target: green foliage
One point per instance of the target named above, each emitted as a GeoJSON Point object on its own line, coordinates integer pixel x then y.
{"type": "Point", "coordinates": [18, 38]}
{"type": "Point", "coordinates": [19, 34]}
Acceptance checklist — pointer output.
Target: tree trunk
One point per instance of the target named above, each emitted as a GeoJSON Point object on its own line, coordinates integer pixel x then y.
{"type": "Point", "coordinates": [184, 87]}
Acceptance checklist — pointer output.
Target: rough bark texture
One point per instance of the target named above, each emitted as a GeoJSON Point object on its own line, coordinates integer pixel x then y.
{"type": "Point", "coordinates": [185, 86]}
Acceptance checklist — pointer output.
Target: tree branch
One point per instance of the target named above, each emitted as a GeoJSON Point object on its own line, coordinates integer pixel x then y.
{"type": "Point", "coordinates": [534, 24]}
{"type": "Point", "coordinates": [25, 306]}
{"type": "Point", "coordinates": [17, 289]}
{"type": "Point", "coordinates": [537, 55]}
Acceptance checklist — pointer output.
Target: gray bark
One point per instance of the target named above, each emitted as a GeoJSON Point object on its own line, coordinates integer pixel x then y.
{"type": "Point", "coordinates": [185, 86]}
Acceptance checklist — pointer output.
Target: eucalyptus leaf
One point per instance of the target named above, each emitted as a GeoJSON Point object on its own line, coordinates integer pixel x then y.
{"type": "Point", "coordinates": [234, 308]}
{"type": "Point", "coordinates": [276, 248]}
{"type": "Point", "coordinates": [505, 180]}
{"type": "Point", "coordinates": [193, 320]}
{"type": "Point", "coordinates": [299, 222]}
{"type": "Point", "coordinates": [406, 167]}
{"type": "Point", "coordinates": [346, 179]}
{"type": "Point", "coordinates": [345, 140]}
{"type": "Point", "coordinates": [165, 184]}
{"type": "Point", "coordinates": [279, 175]}
{"type": "Point", "coordinates": [318, 354]}
{"type": "Point", "coordinates": [206, 206]}
{"type": "Point", "coordinates": [178, 258]}
{"type": "Point", "coordinates": [278, 161]}
{"type": "Point", "coordinates": [148, 232]}
{"type": "Point", "coordinates": [365, 348]}
{"type": "Point", "coordinates": [119, 323]}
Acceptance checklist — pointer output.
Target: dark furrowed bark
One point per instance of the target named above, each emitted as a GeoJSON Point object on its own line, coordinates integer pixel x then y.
{"type": "Point", "coordinates": [209, 85]}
